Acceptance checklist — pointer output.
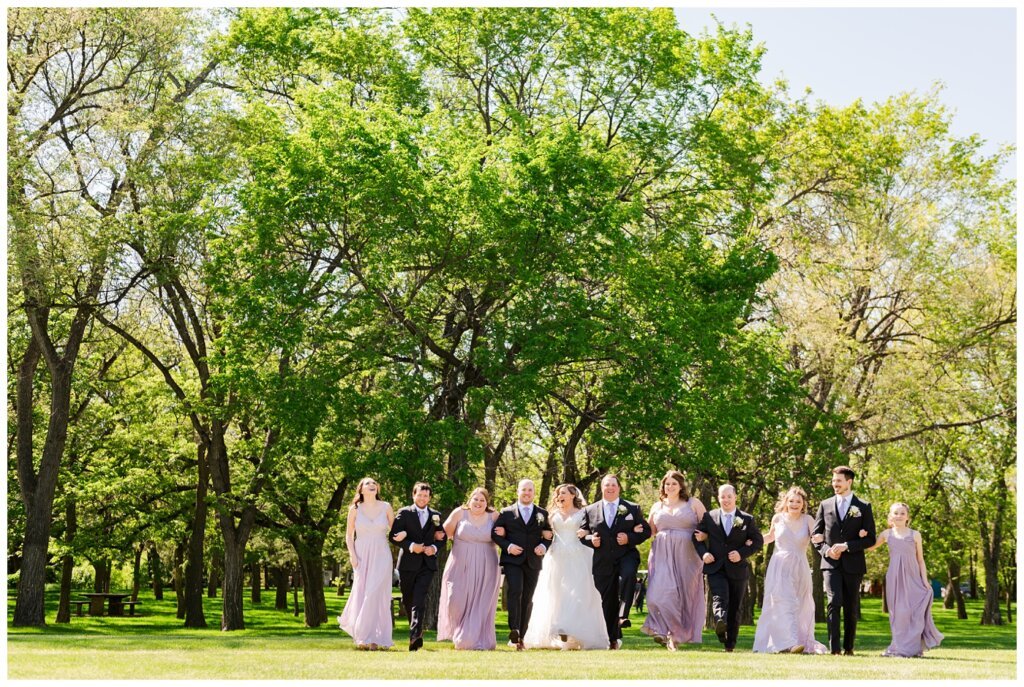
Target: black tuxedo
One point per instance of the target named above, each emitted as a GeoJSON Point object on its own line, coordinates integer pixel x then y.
{"type": "Point", "coordinates": [727, 580]}
{"type": "Point", "coordinates": [522, 570]}
{"type": "Point", "coordinates": [615, 565]}
{"type": "Point", "coordinates": [416, 570]}
{"type": "Point", "coordinates": [843, 577]}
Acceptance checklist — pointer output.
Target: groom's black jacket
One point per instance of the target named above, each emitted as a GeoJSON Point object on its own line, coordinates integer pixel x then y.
{"type": "Point", "coordinates": [524, 534]}
{"type": "Point", "coordinates": [408, 520]}
{"type": "Point", "coordinates": [846, 531]}
{"type": "Point", "coordinates": [719, 545]}
{"type": "Point", "coordinates": [610, 551]}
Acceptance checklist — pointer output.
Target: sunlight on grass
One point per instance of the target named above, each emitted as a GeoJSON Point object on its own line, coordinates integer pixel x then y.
{"type": "Point", "coordinates": [275, 645]}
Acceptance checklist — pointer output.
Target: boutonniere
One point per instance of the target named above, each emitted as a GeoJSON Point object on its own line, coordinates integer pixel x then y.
{"type": "Point", "coordinates": [622, 509]}
{"type": "Point", "coordinates": [436, 519]}
{"type": "Point", "coordinates": [854, 512]}
{"type": "Point", "coordinates": [540, 518]}
{"type": "Point", "coordinates": [738, 521]}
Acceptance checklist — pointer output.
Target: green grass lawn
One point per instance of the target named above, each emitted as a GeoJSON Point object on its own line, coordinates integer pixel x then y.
{"type": "Point", "coordinates": [275, 645]}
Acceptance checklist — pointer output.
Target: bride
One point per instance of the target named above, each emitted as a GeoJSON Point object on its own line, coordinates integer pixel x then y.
{"type": "Point", "coordinates": [566, 605]}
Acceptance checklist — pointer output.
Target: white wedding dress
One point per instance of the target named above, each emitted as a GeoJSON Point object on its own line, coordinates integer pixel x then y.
{"type": "Point", "coordinates": [566, 600]}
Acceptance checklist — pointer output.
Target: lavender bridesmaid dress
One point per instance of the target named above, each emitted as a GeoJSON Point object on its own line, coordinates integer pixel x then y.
{"type": "Point", "coordinates": [367, 614]}
{"type": "Point", "coordinates": [787, 611]}
{"type": "Point", "coordinates": [675, 581]}
{"type": "Point", "coordinates": [469, 588]}
{"type": "Point", "coordinates": [909, 600]}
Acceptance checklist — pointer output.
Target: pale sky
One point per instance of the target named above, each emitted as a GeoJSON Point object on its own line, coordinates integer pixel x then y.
{"type": "Point", "coordinates": [872, 53]}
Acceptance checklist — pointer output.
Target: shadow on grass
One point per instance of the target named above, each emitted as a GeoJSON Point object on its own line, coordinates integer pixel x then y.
{"type": "Point", "coordinates": [158, 620]}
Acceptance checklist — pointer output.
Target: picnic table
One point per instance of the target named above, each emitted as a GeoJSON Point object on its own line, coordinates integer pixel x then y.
{"type": "Point", "coordinates": [115, 606]}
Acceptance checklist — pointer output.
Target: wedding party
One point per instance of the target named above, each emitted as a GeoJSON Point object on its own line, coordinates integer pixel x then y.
{"type": "Point", "coordinates": [571, 569]}
{"type": "Point", "coordinates": [431, 343]}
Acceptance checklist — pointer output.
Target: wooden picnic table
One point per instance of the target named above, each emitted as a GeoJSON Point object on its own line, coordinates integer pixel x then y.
{"type": "Point", "coordinates": [116, 603]}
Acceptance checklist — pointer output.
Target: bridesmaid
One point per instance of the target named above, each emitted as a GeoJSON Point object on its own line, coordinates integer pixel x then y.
{"type": "Point", "coordinates": [675, 588]}
{"type": "Point", "coordinates": [908, 592]}
{"type": "Point", "coordinates": [469, 586]}
{"type": "Point", "coordinates": [367, 614]}
{"type": "Point", "coordinates": [786, 624]}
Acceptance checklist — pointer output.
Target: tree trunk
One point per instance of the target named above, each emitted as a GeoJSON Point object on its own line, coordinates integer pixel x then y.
{"type": "Point", "coordinates": [254, 571]}
{"type": "Point", "coordinates": [818, 588]}
{"type": "Point", "coordinates": [434, 592]}
{"type": "Point", "coordinates": [268, 581]}
{"type": "Point", "coordinates": [550, 470]}
{"type": "Point", "coordinates": [137, 572]}
{"type": "Point", "coordinates": [311, 564]}
{"type": "Point", "coordinates": [972, 581]}
{"type": "Point", "coordinates": [295, 592]}
{"type": "Point", "coordinates": [37, 489]}
{"type": "Point", "coordinates": [101, 582]}
{"type": "Point", "coordinates": [991, 552]}
{"type": "Point", "coordinates": [155, 572]}
{"type": "Point", "coordinates": [178, 576]}
{"type": "Point", "coordinates": [214, 581]}
{"type": "Point", "coordinates": [67, 562]}
{"type": "Point", "coordinates": [953, 594]}
{"type": "Point", "coordinates": [195, 616]}
{"type": "Point", "coordinates": [232, 613]}
{"type": "Point", "coordinates": [280, 589]}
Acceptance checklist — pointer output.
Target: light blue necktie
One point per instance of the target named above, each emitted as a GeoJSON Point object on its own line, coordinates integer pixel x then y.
{"type": "Point", "coordinates": [609, 513]}
{"type": "Point", "coordinates": [728, 523]}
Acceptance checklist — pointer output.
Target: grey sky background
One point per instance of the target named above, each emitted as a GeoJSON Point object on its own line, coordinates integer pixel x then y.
{"type": "Point", "coordinates": [873, 53]}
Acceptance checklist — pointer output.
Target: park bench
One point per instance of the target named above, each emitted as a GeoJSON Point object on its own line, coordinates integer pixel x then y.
{"type": "Point", "coordinates": [130, 605]}
{"type": "Point", "coordinates": [78, 605]}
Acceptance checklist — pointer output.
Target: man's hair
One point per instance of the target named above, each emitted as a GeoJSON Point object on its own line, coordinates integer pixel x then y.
{"type": "Point", "coordinates": [844, 471]}
{"type": "Point", "coordinates": [614, 477]}
{"type": "Point", "coordinates": [726, 486]}
{"type": "Point", "coordinates": [421, 486]}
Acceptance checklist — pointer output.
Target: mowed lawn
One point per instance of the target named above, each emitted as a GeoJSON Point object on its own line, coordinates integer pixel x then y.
{"type": "Point", "coordinates": [275, 645]}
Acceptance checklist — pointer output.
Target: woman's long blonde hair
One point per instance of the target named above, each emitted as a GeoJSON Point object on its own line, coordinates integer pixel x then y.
{"type": "Point", "coordinates": [780, 505]}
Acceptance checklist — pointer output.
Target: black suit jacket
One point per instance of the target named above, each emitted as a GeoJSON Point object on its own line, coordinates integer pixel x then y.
{"type": "Point", "coordinates": [610, 551]}
{"type": "Point", "coordinates": [846, 531]}
{"type": "Point", "coordinates": [408, 520]}
{"type": "Point", "coordinates": [524, 534]}
{"type": "Point", "coordinates": [719, 545]}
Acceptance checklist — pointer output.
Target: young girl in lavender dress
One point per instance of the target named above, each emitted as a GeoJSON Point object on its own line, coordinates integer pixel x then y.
{"type": "Point", "coordinates": [908, 593]}
{"type": "Point", "coordinates": [367, 614]}
{"type": "Point", "coordinates": [786, 624]}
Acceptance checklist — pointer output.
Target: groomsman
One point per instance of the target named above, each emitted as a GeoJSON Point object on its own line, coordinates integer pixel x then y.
{"type": "Point", "coordinates": [837, 538]}
{"type": "Point", "coordinates": [613, 527]}
{"type": "Point", "coordinates": [725, 552]}
{"type": "Point", "coordinates": [417, 531]}
{"type": "Point", "coordinates": [524, 539]}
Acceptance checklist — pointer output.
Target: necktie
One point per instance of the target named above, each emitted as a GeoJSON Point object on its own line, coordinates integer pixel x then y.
{"type": "Point", "coordinates": [423, 517]}
{"type": "Point", "coordinates": [525, 513]}
{"type": "Point", "coordinates": [728, 523]}
{"type": "Point", "coordinates": [609, 513]}
{"type": "Point", "coordinates": [843, 507]}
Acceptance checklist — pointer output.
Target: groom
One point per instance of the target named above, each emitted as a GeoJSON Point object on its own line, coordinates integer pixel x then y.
{"type": "Point", "coordinates": [523, 534]}
{"type": "Point", "coordinates": [417, 558]}
{"type": "Point", "coordinates": [725, 553]}
{"type": "Point", "coordinates": [610, 527]}
{"type": "Point", "coordinates": [840, 519]}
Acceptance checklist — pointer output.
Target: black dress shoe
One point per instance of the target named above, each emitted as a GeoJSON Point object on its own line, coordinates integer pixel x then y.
{"type": "Point", "coordinates": [564, 637]}
{"type": "Point", "coordinates": [513, 636]}
{"type": "Point", "coordinates": [729, 649]}
{"type": "Point", "coordinates": [848, 652]}
{"type": "Point", "coordinates": [415, 644]}
{"type": "Point", "coordinates": [837, 653]}
{"type": "Point", "coordinates": [625, 623]}
{"type": "Point", "coordinates": [720, 630]}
